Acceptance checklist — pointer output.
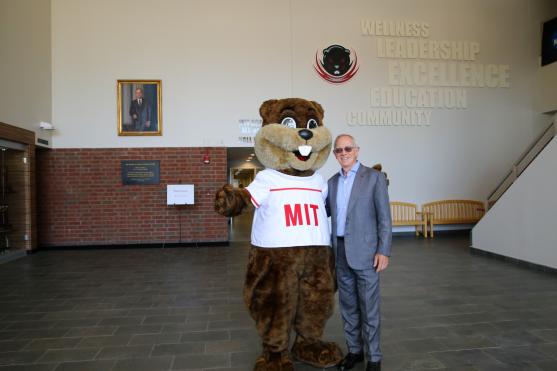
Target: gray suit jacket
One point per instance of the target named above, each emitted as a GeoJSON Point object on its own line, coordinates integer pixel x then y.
{"type": "Point", "coordinates": [368, 218]}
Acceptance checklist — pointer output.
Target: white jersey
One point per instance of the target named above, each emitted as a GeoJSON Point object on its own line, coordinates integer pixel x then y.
{"type": "Point", "coordinates": [290, 210]}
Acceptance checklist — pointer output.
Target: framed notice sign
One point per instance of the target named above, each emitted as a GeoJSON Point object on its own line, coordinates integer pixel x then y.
{"type": "Point", "coordinates": [179, 194]}
{"type": "Point", "coordinates": [140, 172]}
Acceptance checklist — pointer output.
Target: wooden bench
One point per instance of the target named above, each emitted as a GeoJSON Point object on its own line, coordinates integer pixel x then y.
{"type": "Point", "coordinates": [407, 214]}
{"type": "Point", "coordinates": [452, 212]}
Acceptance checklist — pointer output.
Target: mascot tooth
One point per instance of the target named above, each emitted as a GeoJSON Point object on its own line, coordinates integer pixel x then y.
{"type": "Point", "coordinates": [290, 279]}
{"type": "Point", "coordinates": [304, 150]}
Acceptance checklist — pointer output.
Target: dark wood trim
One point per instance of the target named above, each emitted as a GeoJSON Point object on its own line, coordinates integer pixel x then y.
{"type": "Point", "coordinates": [16, 134]}
{"type": "Point", "coordinates": [32, 207]}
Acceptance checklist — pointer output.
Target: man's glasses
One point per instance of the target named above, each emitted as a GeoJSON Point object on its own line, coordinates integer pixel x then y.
{"type": "Point", "coordinates": [339, 150]}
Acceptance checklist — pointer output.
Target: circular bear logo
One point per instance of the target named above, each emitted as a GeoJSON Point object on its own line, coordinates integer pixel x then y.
{"type": "Point", "coordinates": [335, 65]}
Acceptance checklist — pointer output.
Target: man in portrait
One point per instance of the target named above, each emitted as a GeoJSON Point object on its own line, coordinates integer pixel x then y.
{"type": "Point", "coordinates": [140, 112]}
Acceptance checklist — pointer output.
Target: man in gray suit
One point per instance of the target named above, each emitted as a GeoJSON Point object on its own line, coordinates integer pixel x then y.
{"type": "Point", "coordinates": [358, 203]}
{"type": "Point", "coordinates": [140, 111]}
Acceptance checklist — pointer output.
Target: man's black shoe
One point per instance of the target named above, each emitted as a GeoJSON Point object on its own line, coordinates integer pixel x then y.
{"type": "Point", "coordinates": [373, 366]}
{"type": "Point", "coordinates": [350, 361]}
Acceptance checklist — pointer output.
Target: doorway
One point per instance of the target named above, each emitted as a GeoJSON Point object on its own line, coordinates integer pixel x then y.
{"type": "Point", "coordinates": [13, 186]}
{"type": "Point", "coordinates": [243, 166]}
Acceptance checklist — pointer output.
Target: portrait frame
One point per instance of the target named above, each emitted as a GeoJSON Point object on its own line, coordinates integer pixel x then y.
{"type": "Point", "coordinates": [139, 117]}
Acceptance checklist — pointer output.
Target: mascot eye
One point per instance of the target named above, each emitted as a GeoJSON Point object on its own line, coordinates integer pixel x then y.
{"type": "Point", "coordinates": [289, 121]}
{"type": "Point", "coordinates": [312, 124]}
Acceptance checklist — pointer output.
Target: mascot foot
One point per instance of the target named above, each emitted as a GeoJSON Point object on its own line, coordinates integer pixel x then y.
{"type": "Point", "coordinates": [318, 354]}
{"type": "Point", "coordinates": [269, 361]}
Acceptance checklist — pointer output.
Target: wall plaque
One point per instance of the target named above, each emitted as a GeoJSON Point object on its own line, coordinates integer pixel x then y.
{"type": "Point", "coordinates": [140, 172]}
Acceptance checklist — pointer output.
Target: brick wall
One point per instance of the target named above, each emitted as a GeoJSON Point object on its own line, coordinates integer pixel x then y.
{"type": "Point", "coordinates": [81, 199]}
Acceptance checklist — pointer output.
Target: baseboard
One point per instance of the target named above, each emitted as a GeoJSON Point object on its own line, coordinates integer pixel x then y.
{"type": "Point", "coordinates": [446, 232]}
{"type": "Point", "coordinates": [159, 245]}
{"type": "Point", "coordinates": [515, 261]}
{"type": "Point", "coordinates": [8, 256]}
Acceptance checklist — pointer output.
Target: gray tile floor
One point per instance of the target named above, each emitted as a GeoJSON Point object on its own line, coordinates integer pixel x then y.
{"type": "Point", "coordinates": [176, 309]}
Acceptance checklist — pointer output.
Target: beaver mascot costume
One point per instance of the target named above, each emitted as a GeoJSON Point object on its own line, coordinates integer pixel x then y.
{"type": "Point", "coordinates": [290, 279]}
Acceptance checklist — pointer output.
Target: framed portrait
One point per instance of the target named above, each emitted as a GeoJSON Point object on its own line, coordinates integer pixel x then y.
{"type": "Point", "coordinates": [139, 107]}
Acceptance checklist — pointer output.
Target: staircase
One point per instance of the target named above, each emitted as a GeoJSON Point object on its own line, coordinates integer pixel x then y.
{"type": "Point", "coordinates": [521, 224]}
{"type": "Point", "coordinates": [525, 159]}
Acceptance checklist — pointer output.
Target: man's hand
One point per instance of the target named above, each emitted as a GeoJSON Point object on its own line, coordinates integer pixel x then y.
{"type": "Point", "coordinates": [380, 262]}
{"type": "Point", "coordinates": [148, 123]}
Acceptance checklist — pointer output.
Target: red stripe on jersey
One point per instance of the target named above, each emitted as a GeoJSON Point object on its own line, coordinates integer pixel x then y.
{"type": "Point", "coordinates": [254, 202]}
{"type": "Point", "coordinates": [295, 189]}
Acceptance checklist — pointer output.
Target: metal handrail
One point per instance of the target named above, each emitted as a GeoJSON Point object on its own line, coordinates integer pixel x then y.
{"type": "Point", "coordinates": [525, 159]}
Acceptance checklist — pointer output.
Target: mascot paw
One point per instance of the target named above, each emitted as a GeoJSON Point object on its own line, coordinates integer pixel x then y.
{"type": "Point", "coordinates": [379, 167]}
{"type": "Point", "coordinates": [318, 354]}
{"type": "Point", "coordinates": [224, 199]}
{"type": "Point", "coordinates": [230, 201]}
{"type": "Point", "coordinates": [269, 361]}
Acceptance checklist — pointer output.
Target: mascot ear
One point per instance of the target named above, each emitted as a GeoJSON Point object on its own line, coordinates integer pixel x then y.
{"type": "Point", "coordinates": [319, 109]}
{"type": "Point", "coordinates": [266, 108]}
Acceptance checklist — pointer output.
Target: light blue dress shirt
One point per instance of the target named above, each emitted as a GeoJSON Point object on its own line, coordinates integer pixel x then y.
{"type": "Point", "coordinates": [345, 183]}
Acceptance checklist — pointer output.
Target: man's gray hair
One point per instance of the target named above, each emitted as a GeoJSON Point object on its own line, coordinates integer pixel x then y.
{"type": "Point", "coordinates": [346, 135]}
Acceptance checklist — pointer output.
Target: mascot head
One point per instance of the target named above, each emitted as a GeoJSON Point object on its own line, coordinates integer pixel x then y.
{"type": "Point", "coordinates": [292, 138]}
{"type": "Point", "coordinates": [336, 60]}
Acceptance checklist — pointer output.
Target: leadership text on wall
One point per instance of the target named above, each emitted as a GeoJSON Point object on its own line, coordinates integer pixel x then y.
{"type": "Point", "coordinates": [423, 75]}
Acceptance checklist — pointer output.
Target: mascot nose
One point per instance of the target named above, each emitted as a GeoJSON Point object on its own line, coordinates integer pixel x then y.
{"type": "Point", "coordinates": [305, 134]}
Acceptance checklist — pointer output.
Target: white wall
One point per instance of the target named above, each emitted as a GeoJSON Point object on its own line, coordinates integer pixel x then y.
{"type": "Point", "coordinates": [219, 60]}
{"type": "Point", "coordinates": [546, 77]}
{"type": "Point", "coordinates": [548, 88]}
{"type": "Point", "coordinates": [463, 153]}
{"type": "Point", "coordinates": [25, 64]}
{"type": "Point", "coordinates": [522, 224]}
